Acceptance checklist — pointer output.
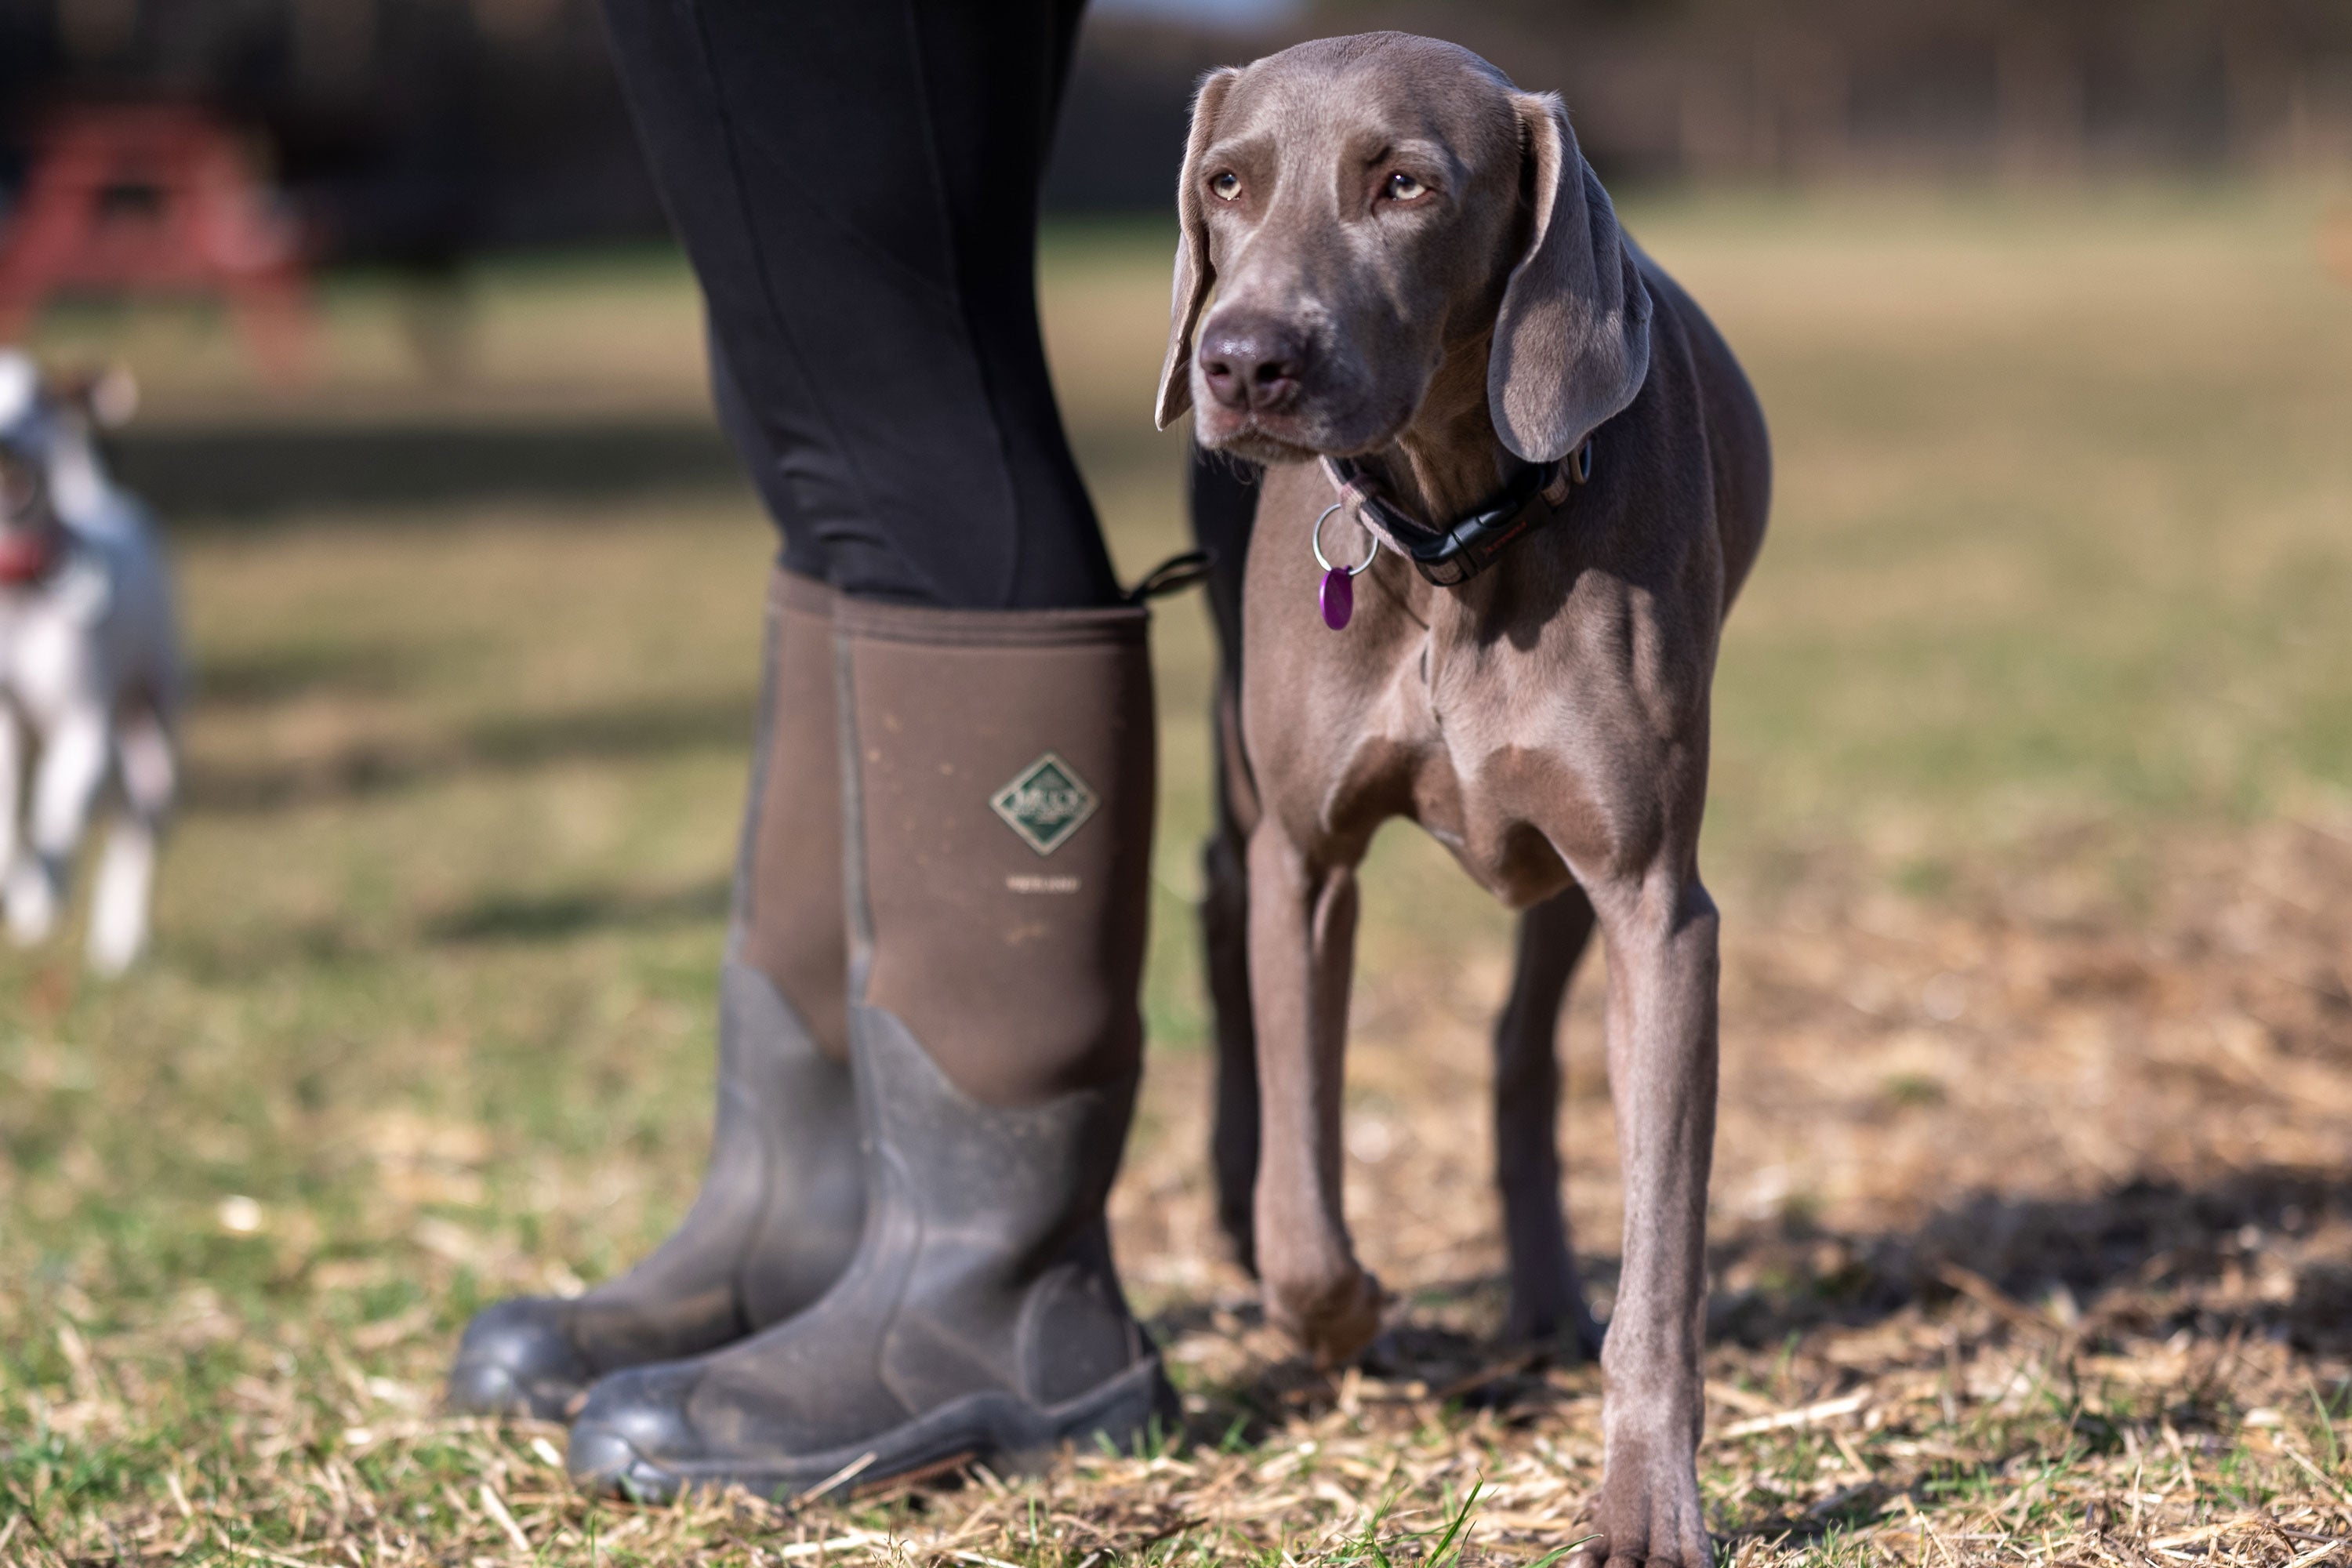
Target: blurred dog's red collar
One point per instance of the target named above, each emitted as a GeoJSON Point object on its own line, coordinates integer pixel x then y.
{"type": "Point", "coordinates": [30, 554]}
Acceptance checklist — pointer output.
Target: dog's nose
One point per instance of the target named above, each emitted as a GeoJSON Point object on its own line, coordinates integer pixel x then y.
{"type": "Point", "coordinates": [1252, 363]}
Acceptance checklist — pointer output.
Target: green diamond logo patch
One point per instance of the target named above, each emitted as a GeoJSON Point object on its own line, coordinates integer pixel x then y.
{"type": "Point", "coordinates": [1047, 803]}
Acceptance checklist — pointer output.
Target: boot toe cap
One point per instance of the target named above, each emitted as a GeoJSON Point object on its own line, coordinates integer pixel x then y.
{"type": "Point", "coordinates": [517, 1360]}
{"type": "Point", "coordinates": [633, 1435]}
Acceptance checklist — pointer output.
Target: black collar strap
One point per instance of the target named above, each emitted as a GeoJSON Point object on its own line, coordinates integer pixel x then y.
{"type": "Point", "coordinates": [1451, 556]}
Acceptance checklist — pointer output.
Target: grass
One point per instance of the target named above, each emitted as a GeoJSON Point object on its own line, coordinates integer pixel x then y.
{"type": "Point", "coordinates": [2033, 1218]}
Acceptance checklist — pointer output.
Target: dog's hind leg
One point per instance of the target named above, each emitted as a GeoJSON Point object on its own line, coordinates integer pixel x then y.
{"type": "Point", "coordinates": [126, 872]}
{"type": "Point", "coordinates": [1225, 509]}
{"type": "Point", "coordinates": [12, 789]}
{"type": "Point", "coordinates": [1546, 1296]}
{"type": "Point", "coordinates": [1225, 940]}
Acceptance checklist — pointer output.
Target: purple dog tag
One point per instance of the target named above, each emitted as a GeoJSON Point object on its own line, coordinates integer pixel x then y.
{"type": "Point", "coordinates": [1339, 597]}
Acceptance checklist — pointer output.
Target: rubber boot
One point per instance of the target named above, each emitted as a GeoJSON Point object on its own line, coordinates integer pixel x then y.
{"type": "Point", "coordinates": [999, 772]}
{"type": "Point", "coordinates": [782, 1201]}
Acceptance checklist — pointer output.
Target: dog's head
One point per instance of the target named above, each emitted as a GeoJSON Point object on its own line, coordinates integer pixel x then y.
{"type": "Point", "coordinates": [28, 519]}
{"type": "Point", "coordinates": [1356, 209]}
{"type": "Point", "coordinates": [24, 463]}
{"type": "Point", "coordinates": [47, 426]}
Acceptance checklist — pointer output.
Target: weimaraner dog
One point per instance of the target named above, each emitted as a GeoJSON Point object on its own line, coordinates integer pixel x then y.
{"type": "Point", "coordinates": [1401, 287]}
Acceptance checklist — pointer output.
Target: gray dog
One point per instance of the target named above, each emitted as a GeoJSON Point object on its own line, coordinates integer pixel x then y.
{"type": "Point", "coordinates": [1514, 480]}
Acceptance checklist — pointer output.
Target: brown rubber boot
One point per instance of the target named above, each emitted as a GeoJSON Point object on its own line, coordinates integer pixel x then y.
{"type": "Point", "coordinates": [1000, 771]}
{"type": "Point", "coordinates": [784, 1199]}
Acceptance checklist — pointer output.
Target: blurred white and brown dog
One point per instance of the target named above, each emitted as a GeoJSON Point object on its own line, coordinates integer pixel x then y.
{"type": "Point", "coordinates": [91, 674]}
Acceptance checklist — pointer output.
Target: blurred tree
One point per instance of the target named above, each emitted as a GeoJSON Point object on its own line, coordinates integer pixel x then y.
{"type": "Point", "coordinates": [2027, 88]}
{"type": "Point", "coordinates": [416, 129]}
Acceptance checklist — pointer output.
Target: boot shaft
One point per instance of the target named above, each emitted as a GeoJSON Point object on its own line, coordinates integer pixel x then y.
{"type": "Point", "coordinates": [1002, 774]}
{"type": "Point", "coordinates": [787, 920]}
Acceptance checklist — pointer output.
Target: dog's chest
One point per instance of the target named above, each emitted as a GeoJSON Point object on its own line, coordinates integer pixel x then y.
{"type": "Point", "coordinates": [1479, 717]}
{"type": "Point", "coordinates": [1463, 746]}
{"type": "Point", "coordinates": [47, 658]}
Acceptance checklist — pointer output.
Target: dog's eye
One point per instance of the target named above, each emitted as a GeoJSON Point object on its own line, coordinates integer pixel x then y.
{"type": "Point", "coordinates": [1403, 187]}
{"type": "Point", "coordinates": [1226, 185]}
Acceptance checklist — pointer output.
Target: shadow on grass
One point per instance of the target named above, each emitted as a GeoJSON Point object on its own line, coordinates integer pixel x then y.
{"type": "Point", "coordinates": [1458, 1369]}
{"type": "Point", "coordinates": [554, 916]}
{"type": "Point", "coordinates": [2133, 1257]}
{"type": "Point", "coordinates": [199, 478]}
{"type": "Point", "coordinates": [261, 677]}
{"type": "Point", "coordinates": [510, 743]}
{"type": "Point", "coordinates": [511, 920]}
{"type": "Point", "coordinates": [2141, 1261]}
{"type": "Point", "coordinates": [612, 734]}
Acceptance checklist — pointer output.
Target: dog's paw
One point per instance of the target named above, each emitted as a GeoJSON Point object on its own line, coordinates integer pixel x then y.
{"type": "Point", "coordinates": [1334, 1322]}
{"type": "Point", "coordinates": [1648, 1514]}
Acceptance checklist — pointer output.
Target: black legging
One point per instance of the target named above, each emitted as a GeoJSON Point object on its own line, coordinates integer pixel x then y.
{"type": "Point", "coordinates": [855, 182]}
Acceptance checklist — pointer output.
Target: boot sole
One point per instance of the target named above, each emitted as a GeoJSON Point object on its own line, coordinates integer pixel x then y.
{"type": "Point", "coordinates": [997, 1429]}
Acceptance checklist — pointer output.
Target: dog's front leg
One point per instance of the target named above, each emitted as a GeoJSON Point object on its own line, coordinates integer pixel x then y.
{"type": "Point", "coordinates": [1302, 923]}
{"type": "Point", "coordinates": [74, 756]}
{"type": "Point", "coordinates": [1661, 932]}
{"type": "Point", "coordinates": [1547, 1297]}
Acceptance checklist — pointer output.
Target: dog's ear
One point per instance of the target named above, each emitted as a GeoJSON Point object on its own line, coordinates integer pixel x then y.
{"type": "Point", "coordinates": [105, 398]}
{"type": "Point", "coordinates": [1572, 339]}
{"type": "Point", "coordinates": [1193, 276]}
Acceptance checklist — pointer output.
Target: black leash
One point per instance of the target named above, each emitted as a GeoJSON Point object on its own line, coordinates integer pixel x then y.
{"type": "Point", "coordinates": [1173, 576]}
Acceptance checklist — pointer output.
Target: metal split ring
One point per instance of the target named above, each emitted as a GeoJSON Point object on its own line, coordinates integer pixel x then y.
{"type": "Point", "coordinates": [1324, 561]}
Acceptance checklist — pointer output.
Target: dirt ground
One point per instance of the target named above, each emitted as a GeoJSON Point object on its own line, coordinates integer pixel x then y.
{"type": "Point", "coordinates": [2031, 1225]}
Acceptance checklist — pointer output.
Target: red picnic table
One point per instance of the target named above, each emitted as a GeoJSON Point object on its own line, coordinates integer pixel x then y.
{"type": "Point", "coordinates": [150, 198]}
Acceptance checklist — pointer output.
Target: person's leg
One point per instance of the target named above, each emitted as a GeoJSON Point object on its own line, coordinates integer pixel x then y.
{"type": "Point", "coordinates": [800, 552]}
{"type": "Point", "coordinates": [856, 185]}
{"type": "Point", "coordinates": [855, 182]}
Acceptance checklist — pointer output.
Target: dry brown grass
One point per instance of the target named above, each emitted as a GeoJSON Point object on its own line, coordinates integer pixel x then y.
{"type": "Point", "coordinates": [2138, 1353]}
